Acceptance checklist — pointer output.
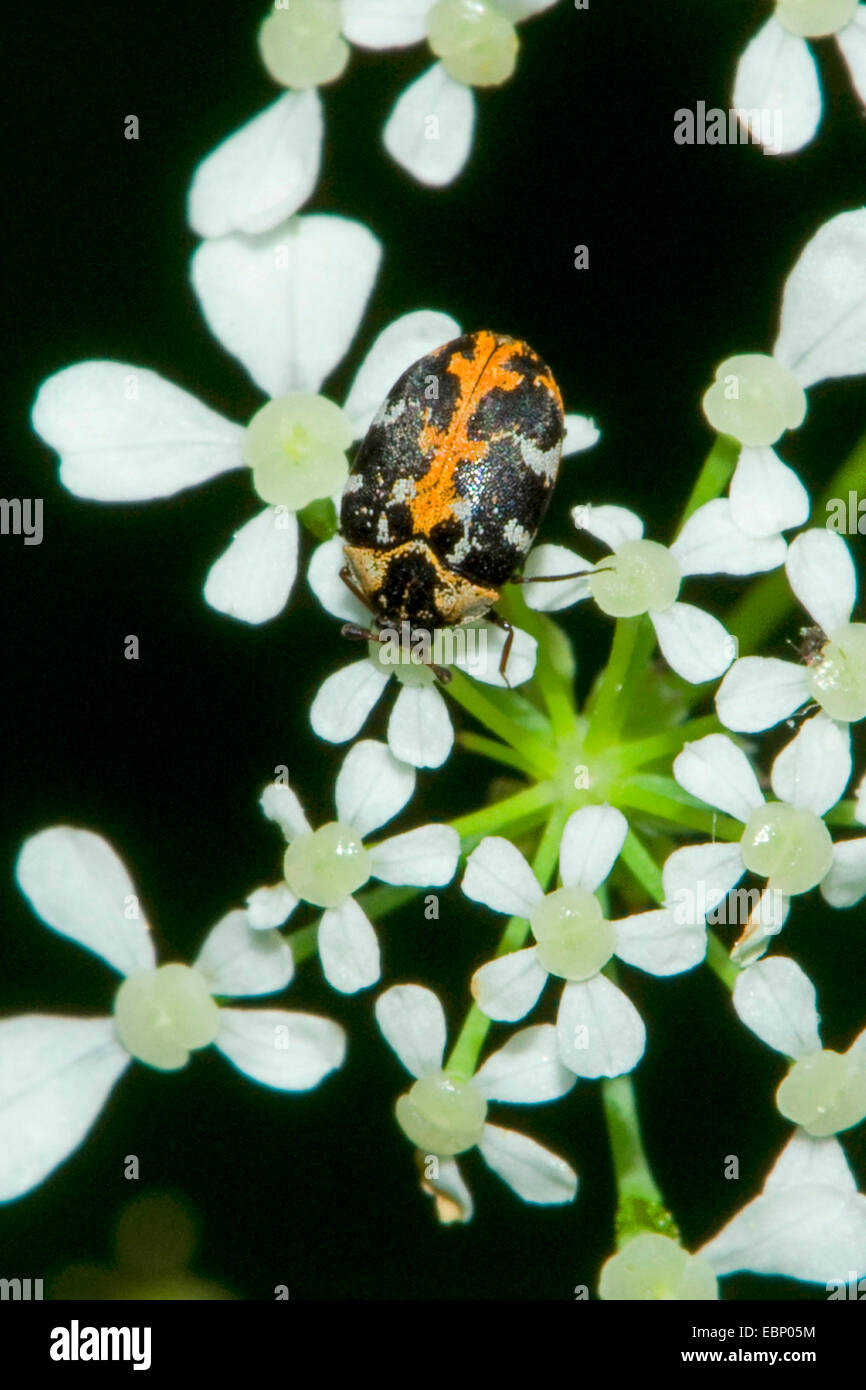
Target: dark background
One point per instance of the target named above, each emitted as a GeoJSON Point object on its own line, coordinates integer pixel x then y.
{"type": "Point", "coordinates": [166, 756]}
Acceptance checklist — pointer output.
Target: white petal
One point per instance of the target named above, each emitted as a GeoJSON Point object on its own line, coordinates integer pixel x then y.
{"type": "Point", "coordinates": [812, 1230]}
{"type": "Point", "coordinates": [498, 876]}
{"type": "Point", "coordinates": [344, 700]}
{"type": "Point", "coordinates": [580, 433]}
{"type": "Point", "coordinates": [766, 495]}
{"type": "Point", "coordinates": [78, 885]}
{"type": "Point", "coordinates": [764, 921]}
{"type": "Point", "coordinates": [759, 691]}
{"type": "Point", "coordinates": [263, 172]}
{"type": "Point", "coordinates": [372, 786]}
{"type": "Point", "coordinates": [822, 575]}
{"type": "Point", "coordinates": [777, 77]}
{"type": "Point", "coordinates": [482, 660]}
{"type": "Point", "coordinates": [700, 876]}
{"type": "Point", "coordinates": [711, 542]}
{"type": "Point", "coordinates": [385, 23]}
{"type": "Point", "coordinates": [599, 1030]}
{"type": "Point", "coordinates": [694, 643]}
{"type": "Point", "coordinates": [125, 434]}
{"type": "Point", "coordinates": [289, 1051]}
{"type": "Point", "coordinates": [777, 1000]}
{"type": "Point", "coordinates": [845, 884]}
{"type": "Point", "coordinates": [715, 770]}
{"type": "Point", "coordinates": [852, 42]}
{"type": "Point", "coordinates": [549, 596]}
{"type": "Point", "coordinates": [659, 943]}
{"type": "Point", "coordinates": [413, 1024]}
{"type": "Point", "coordinates": [508, 987]}
{"type": "Point", "coordinates": [280, 804]}
{"type": "Point", "coordinates": [323, 576]}
{"type": "Point", "coordinates": [397, 347]}
{"type": "Point", "coordinates": [55, 1076]}
{"type": "Point", "coordinates": [419, 730]}
{"type": "Point", "coordinates": [288, 303]}
{"type": "Point", "coordinates": [527, 1070]}
{"type": "Point", "coordinates": [425, 857]}
{"type": "Point", "coordinates": [429, 131]}
{"type": "Point", "coordinates": [812, 771]}
{"type": "Point", "coordinates": [270, 906]}
{"type": "Point", "coordinates": [591, 841]}
{"type": "Point", "coordinates": [822, 332]}
{"type": "Point", "coordinates": [348, 948]}
{"type": "Point", "coordinates": [452, 1198]}
{"type": "Point", "coordinates": [530, 1170]}
{"type": "Point", "coordinates": [235, 960]}
{"type": "Point", "coordinates": [807, 1160]}
{"type": "Point", "coordinates": [613, 525]}
{"type": "Point", "coordinates": [253, 577]}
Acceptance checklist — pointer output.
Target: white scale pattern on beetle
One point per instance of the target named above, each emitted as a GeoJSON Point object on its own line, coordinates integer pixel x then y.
{"type": "Point", "coordinates": [544, 462]}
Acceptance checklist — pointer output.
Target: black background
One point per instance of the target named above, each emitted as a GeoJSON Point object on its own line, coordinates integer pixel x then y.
{"type": "Point", "coordinates": [166, 756]}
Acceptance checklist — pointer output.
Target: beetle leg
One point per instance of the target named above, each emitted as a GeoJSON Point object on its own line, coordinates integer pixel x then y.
{"type": "Point", "coordinates": [346, 576]}
{"type": "Point", "coordinates": [355, 633]}
{"type": "Point", "coordinates": [493, 617]}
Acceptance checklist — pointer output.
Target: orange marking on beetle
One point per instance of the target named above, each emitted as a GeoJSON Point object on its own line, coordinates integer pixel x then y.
{"type": "Point", "coordinates": [436, 493]}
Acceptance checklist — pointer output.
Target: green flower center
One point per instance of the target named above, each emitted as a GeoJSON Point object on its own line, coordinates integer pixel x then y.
{"type": "Point", "coordinates": [825, 1093]}
{"type": "Point", "coordinates": [162, 1015]}
{"type": "Point", "coordinates": [787, 845]}
{"type": "Point", "coordinates": [654, 1268]}
{"type": "Point", "coordinates": [574, 940]}
{"type": "Point", "coordinates": [324, 867]}
{"type": "Point", "coordinates": [813, 19]}
{"type": "Point", "coordinates": [441, 1115]}
{"type": "Point", "coordinates": [296, 447]}
{"type": "Point", "coordinates": [301, 45]}
{"type": "Point", "coordinates": [838, 679]}
{"type": "Point", "coordinates": [477, 44]}
{"type": "Point", "coordinates": [754, 399]}
{"type": "Point", "coordinates": [640, 577]}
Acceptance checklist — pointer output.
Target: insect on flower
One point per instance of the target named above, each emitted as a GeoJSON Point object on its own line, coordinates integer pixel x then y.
{"type": "Point", "coordinates": [449, 487]}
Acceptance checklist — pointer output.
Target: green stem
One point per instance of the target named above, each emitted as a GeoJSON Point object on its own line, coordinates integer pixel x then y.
{"type": "Point", "coordinates": [629, 757]}
{"type": "Point", "coordinates": [715, 474]}
{"type": "Point", "coordinates": [641, 1205]}
{"type": "Point", "coordinates": [467, 694]}
{"type": "Point", "coordinates": [640, 862]}
{"type": "Point", "coordinates": [497, 752]}
{"type": "Point", "coordinates": [467, 1049]}
{"type": "Point", "coordinates": [489, 820]}
{"type": "Point", "coordinates": [303, 942]}
{"type": "Point", "coordinates": [720, 962]}
{"type": "Point", "coordinates": [602, 706]}
{"type": "Point", "coordinates": [640, 797]}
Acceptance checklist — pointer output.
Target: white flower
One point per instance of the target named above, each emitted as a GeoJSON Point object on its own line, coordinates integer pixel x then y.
{"type": "Point", "coordinates": [777, 72]}
{"type": "Point", "coordinates": [644, 577]}
{"type": "Point", "coordinates": [809, 1222]}
{"type": "Point", "coordinates": [429, 131]}
{"type": "Point", "coordinates": [57, 1073]}
{"type": "Point", "coordinates": [287, 304]}
{"type": "Point", "coordinates": [784, 842]}
{"type": "Point", "coordinates": [599, 1031]}
{"type": "Point", "coordinates": [756, 397]}
{"type": "Point", "coordinates": [325, 867]}
{"type": "Point", "coordinates": [445, 1114]}
{"type": "Point", "coordinates": [825, 1091]}
{"type": "Point", "coordinates": [760, 691]}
